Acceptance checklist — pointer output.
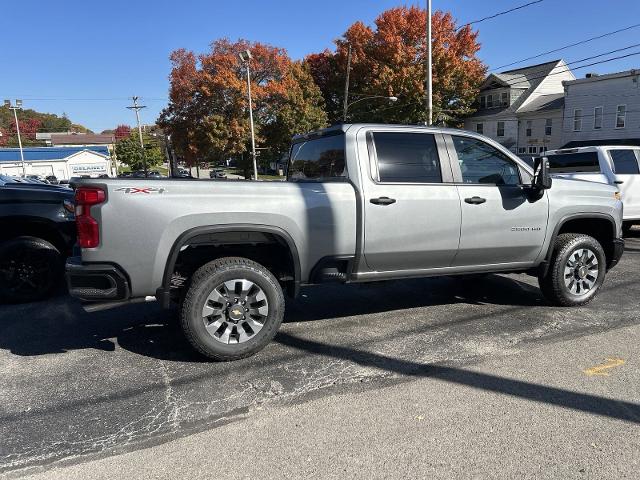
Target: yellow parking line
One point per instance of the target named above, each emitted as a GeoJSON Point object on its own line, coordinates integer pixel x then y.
{"type": "Point", "coordinates": [602, 369]}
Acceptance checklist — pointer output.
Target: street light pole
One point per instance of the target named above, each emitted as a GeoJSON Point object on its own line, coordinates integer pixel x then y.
{"type": "Point", "coordinates": [429, 61]}
{"type": "Point", "coordinates": [346, 86]}
{"type": "Point", "coordinates": [135, 107]}
{"type": "Point", "coordinates": [245, 57]}
{"type": "Point", "coordinates": [18, 106]}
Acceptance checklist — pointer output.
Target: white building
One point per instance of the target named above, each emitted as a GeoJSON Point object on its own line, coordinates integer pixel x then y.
{"type": "Point", "coordinates": [602, 110]}
{"type": "Point", "coordinates": [63, 162]}
{"type": "Point", "coordinates": [522, 108]}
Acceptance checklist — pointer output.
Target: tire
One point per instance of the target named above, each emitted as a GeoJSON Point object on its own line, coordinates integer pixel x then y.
{"type": "Point", "coordinates": [554, 284]}
{"type": "Point", "coordinates": [210, 325]}
{"type": "Point", "coordinates": [31, 269]}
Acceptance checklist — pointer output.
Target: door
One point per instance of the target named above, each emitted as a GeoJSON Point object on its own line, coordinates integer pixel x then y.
{"type": "Point", "coordinates": [412, 217]}
{"type": "Point", "coordinates": [501, 222]}
{"type": "Point", "coordinates": [626, 166]}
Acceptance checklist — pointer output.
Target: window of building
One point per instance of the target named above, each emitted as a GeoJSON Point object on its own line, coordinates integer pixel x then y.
{"type": "Point", "coordinates": [548, 126]}
{"type": "Point", "coordinates": [483, 101]}
{"type": "Point", "coordinates": [597, 118]}
{"type": "Point", "coordinates": [407, 157]}
{"type": "Point", "coordinates": [528, 132]}
{"type": "Point", "coordinates": [489, 101]}
{"type": "Point", "coordinates": [574, 162]}
{"type": "Point", "coordinates": [501, 129]}
{"type": "Point", "coordinates": [625, 162]}
{"type": "Point", "coordinates": [480, 128]}
{"type": "Point", "coordinates": [482, 163]}
{"type": "Point", "coordinates": [533, 149]}
{"type": "Point", "coordinates": [504, 98]}
{"type": "Point", "coordinates": [577, 120]}
{"type": "Point", "coordinates": [522, 150]}
{"type": "Point", "coordinates": [621, 116]}
{"type": "Point", "coordinates": [318, 159]}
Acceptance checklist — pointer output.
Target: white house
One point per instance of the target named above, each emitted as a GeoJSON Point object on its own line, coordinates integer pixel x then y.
{"type": "Point", "coordinates": [522, 108]}
{"type": "Point", "coordinates": [63, 162]}
{"type": "Point", "coordinates": [602, 109]}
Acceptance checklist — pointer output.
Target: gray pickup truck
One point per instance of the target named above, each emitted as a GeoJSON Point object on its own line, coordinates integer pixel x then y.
{"type": "Point", "coordinates": [361, 203]}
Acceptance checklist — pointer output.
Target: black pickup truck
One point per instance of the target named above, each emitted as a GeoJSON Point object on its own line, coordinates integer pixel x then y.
{"type": "Point", "coordinates": [37, 233]}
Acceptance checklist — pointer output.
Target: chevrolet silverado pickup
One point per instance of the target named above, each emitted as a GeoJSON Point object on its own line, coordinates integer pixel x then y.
{"type": "Point", "coordinates": [362, 202]}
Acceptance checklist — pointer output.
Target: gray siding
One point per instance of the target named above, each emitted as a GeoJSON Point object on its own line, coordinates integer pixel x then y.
{"type": "Point", "coordinates": [607, 93]}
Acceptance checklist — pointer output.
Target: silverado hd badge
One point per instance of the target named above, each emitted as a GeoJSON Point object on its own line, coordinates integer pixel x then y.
{"type": "Point", "coordinates": [134, 190]}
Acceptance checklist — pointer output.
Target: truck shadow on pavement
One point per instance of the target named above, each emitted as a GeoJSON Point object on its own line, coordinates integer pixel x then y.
{"type": "Point", "coordinates": [61, 324]}
{"type": "Point", "coordinates": [560, 397]}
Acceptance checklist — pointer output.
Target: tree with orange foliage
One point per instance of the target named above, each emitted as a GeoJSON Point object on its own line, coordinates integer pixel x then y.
{"type": "Point", "coordinates": [207, 115]}
{"type": "Point", "coordinates": [390, 60]}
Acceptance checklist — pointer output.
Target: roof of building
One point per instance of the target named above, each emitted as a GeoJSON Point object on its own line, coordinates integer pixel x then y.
{"type": "Point", "coordinates": [544, 103]}
{"type": "Point", "coordinates": [43, 154]}
{"type": "Point", "coordinates": [598, 78]}
{"type": "Point", "coordinates": [527, 78]}
{"type": "Point", "coordinates": [81, 139]}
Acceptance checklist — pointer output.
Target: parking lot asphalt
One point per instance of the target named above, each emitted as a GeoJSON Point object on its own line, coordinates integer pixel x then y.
{"type": "Point", "coordinates": [76, 387]}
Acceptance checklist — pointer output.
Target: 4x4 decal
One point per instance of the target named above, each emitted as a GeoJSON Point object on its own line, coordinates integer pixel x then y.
{"type": "Point", "coordinates": [134, 190]}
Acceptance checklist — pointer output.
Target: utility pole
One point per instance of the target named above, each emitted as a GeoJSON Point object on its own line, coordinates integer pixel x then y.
{"type": "Point", "coordinates": [245, 58]}
{"type": "Point", "coordinates": [346, 86]}
{"type": "Point", "coordinates": [429, 61]}
{"type": "Point", "coordinates": [18, 106]}
{"type": "Point", "coordinates": [135, 107]}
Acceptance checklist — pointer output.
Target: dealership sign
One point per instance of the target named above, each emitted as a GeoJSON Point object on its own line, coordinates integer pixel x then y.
{"type": "Point", "coordinates": [89, 168]}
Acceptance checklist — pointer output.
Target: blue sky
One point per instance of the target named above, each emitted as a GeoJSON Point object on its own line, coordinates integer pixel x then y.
{"type": "Point", "coordinates": [85, 58]}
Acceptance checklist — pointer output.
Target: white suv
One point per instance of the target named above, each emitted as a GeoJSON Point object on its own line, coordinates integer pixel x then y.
{"type": "Point", "coordinates": [613, 164]}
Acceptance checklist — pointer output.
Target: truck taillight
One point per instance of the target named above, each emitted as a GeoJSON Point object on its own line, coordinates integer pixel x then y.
{"type": "Point", "coordinates": [88, 228]}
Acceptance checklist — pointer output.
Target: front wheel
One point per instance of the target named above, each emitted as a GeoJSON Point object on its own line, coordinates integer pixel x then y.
{"type": "Point", "coordinates": [576, 271]}
{"type": "Point", "coordinates": [232, 309]}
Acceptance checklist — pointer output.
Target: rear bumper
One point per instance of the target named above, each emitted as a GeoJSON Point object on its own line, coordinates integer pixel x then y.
{"type": "Point", "coordinates": [96, 282]}
{"type": "Point", "coordinates": [618, 249]}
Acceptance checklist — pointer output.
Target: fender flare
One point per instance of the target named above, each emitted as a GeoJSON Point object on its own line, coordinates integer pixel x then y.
{"type": "Point", "coordinates": [564, 220]}
{"type": "Point", "coordinates": [163, 293]}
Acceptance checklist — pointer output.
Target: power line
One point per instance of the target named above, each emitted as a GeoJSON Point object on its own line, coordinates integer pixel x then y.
{"type": "Point", "coordinates": [511, 84]}
{"type": "Point", "coordinates": [499, 14]}
{"type": "Point", "coordinates": [568, 46]}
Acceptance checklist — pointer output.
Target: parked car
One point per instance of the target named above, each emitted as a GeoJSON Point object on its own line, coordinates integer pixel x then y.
{"type": "Point", "coordinates": [52, 179]}
{"type": "Point", "coordinates": [217, 173]}
{"type": "Point", "coordinates": [37, 233]}
{"type": "Point", "coordinates": [182, 173]}
{"type": "Point", "coordinates": [138, 174]}
{"type": "Point", "coordinates": [124, 175]}
{"type": "Point", "coordinates": [154, 174]}
{"type": "Point", "coordinates": [361, 203]}
{"type": "Point", "coordinates": [617, 165]}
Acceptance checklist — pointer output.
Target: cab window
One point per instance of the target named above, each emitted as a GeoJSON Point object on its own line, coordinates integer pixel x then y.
{"type": "Point", "coordinates": [625, 162]}
{"type": "Point", "coordinates": [480, 163]}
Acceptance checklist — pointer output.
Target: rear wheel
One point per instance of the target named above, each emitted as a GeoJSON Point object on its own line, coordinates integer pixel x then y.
{"type": "Point", "coordinates": [30, 269]}
{"type": "Point", "coordinates": [232, 309]}
{"type": "Point", "coordinates": [576, 271]}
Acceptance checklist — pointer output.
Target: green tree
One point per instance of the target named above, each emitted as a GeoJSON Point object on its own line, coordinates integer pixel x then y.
{"type": "Point", "coordinates": [130, 153]}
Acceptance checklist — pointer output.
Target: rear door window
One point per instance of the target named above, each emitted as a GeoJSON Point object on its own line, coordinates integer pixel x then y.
{"type": "Point", "coordinates": [578, 162]}
{"type": "Point", "coordinates": [407, 157]}
{"type": "Point", "coordinates": [625, 162]}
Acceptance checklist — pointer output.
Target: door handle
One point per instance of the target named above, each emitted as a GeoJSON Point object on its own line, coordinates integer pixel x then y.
{"type": "Point", "coordinates": [383, 201]}
{"type": "Point", "coordinates": [618, 182]}
{"type": "Point", "coordinates": [475, 200]}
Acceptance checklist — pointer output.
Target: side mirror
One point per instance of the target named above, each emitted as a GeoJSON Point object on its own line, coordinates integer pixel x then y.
{"type": "Point", "coordinates": [541, 176]}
